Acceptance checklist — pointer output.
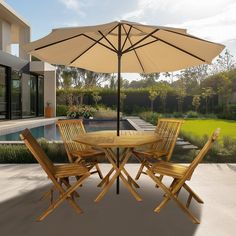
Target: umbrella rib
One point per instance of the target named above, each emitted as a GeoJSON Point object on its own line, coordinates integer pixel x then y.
{"type": "Point", "coordinates": [141, 45]}
{"type": "Point", "coordinates": [134, 51]}
{"type": "Point", "coordinates": [180, 49]}
{"type": "Point", "coordinates": [75, 36]}
{"type": "Point", "coordinates": [108, 40]}
{"type": "Point", "coordinates": [176, 46]}
{"type": "Point", "coordinates": [185, 35]}
{"type": "Point", "coordinates": [92, 46]}
{"type": "Point", "coordinates": [127, 35]}
{"type": "Point", "coordinates": [148, 35]}
{"type": "Point", "coordinates": [60, 41]}
{"type": "Point", "coordinates": [189, 36]}
{"type": "Point", "coordinates": [98, 41]}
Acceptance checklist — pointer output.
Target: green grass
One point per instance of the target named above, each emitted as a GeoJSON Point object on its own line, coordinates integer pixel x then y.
{"type": "Point", "coordinates": [202, 127]}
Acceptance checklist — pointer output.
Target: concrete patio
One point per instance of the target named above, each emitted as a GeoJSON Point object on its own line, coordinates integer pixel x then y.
{"type": "Point", "coordinates": [21, 187]}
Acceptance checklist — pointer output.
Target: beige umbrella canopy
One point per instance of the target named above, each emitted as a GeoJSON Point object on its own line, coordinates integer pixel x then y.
{"type": "Point", "coordinates": [144, 48]}
{"type": "Point", "coordinates": [124, 47]}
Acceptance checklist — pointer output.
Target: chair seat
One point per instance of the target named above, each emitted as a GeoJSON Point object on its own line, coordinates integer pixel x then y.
{"type": "Point", "coordinates": [170, 169]}
{"type": "Point", "coordinates": [69, 169]}
{"type": "Point", "coordinates": [87, 153]}
{"type": "Point", "coordinates": [150, 153]}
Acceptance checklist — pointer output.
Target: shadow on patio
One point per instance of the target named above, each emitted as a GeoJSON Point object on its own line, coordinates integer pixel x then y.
{"type": "Point", "coordinates": [114, 215]}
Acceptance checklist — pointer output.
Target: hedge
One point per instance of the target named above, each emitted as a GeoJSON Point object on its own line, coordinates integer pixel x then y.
{"type": "Point", "coordinates": [137, 100]}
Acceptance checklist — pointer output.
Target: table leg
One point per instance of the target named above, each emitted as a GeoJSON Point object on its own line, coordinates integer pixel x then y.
{"type": "Point", "coordinates": [104, 180]}
{"type": "Point", "coordinates": [130, 179]}
{"type": "Point", "coordinates": [109, 154]}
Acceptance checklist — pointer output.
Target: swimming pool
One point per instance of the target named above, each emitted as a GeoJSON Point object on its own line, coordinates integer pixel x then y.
{"type": "Point", "coordinates": [51, 132]}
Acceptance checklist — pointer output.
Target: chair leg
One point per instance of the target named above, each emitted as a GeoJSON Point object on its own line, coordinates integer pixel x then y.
{"type": "Point", "coordinates": [66, 195]}
{"type": "Point", "coordinates": [171, 194]}
{"type": "Point", "coordinates": [140, 170]}
{"type": "Point", "coordinates": [47, 194]}
{"type": "Point", "coordinates": [99, 171]}
{"type": "Point", "coordinates": [66, 182]}
{"type": "Point", "coordinates": [160, 178]}
{"type": "Point", "coordinates": [191, 192]}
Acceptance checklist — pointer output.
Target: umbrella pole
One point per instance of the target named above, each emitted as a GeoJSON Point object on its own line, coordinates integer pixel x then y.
{"type": "Point", "coordinates": [119, 54]}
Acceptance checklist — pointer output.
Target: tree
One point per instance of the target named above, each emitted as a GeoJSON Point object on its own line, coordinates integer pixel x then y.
{"type": "Point", "coordinates": [222, 85]}
{"type": "Point", "coordinates": [170, 76]}
{"type": "Point", "coordinates": [92, 79]}
{"type": "Point", "coordinates": [224, 62]}
{"type": "Point", "coordinates": [113, 82]}
{"type": "Point", "coordinates": [152, 96]}
{"type": "Point", "coordinates": [162, 90]}
{"type": "Point", "coordinates": [148, 80]}
{"type": "Point", "coordinates": [122, 99]}
{"type": "Point", "coordinates": [196, 102]}
{"type": "Point", "coordinates": [124, 83]}
{"type": "Point", "coordinates": [224, 90]}
{"type": "Point", "coordinates": [67, 79]}
{"type": "Point", "coordinates": [96, 97]}
{"type": "Point", "coordinates": [150, 76]}
{"type": "Point", "coordinates": [207, 93]}
{"type": "Point", "coordinates": [59, 81]}
{"type": "Point", "coordinates": [181, 94]}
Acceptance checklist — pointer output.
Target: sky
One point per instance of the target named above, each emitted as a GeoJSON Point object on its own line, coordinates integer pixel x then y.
{"type": "Point", "coordinates": [213, 20]}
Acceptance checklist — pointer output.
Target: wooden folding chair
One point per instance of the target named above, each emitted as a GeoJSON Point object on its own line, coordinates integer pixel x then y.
{"type": "Point", "coordinates": [59, 175]}
{"type": "Point", "coordinates": [76, 152]}
{"type": "Point", "coordinates": [180, 175]}
{"type": "Point", "coordinates": [168, 130]}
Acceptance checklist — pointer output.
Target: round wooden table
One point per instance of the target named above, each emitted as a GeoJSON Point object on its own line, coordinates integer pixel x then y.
{"type": "Point", "coordinates": [107, 141]}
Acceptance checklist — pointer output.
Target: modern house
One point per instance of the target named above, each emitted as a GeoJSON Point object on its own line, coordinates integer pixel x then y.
{"type": "Point", "coordinates": [26, 87]}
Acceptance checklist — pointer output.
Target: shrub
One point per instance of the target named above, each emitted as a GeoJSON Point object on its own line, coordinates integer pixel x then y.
{"type": "Point", "coordinates": [210, 116]}
{"type": "Point", "coordinates": [106, 113]}
{"type": "Point", "coordinates": [18, 153]}
{"type": "Point", "coordinates": [178, 115]}
{"type": "Point", "coordinates": [81, 111]}
{"type": "Point", "coordinates": [192, 114]}
{"type": "Point", "coordinates": [149, 116]}
{"type": "Point", "coordinates": [221, 151]}
{"type": "Point", "coordinates": [230, 114]}
{"type": "Point", "coordinates": [62, 110]}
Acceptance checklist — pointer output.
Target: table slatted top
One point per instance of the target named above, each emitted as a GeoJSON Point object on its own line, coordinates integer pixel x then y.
{"type": "Point", "coordinates": [109, 139]}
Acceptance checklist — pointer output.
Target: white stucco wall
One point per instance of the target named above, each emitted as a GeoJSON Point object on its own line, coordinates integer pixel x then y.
{"type": "Point", "coordinates": [24, 38]}
{"type": "Point", "coordinates": [49, 73]}
{"type": "Point", "coordinates": [5, 36]}
{"type": "Point", "coordinates": [50, 90]}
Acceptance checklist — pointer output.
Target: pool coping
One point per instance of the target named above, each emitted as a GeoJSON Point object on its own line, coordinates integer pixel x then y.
{"type": "Point", "coordinates": [19, 125]}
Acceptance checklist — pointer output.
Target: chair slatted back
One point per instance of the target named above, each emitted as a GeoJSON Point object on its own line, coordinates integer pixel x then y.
{"type": "Point", "coordinates": [38, 153]}
{"type": "Point", "coordinates": [203, 152]}
{"type": "Point", "coordinates": [70, 130]}
{"type": "Point", "coordinates": [168, 130]}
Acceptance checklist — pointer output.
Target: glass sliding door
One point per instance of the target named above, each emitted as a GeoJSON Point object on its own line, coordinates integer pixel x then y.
{"type": "Point", "coordinates": [26, 95]}
{"type": "Point", "coordinates": [25, 91]}
{"type": "Point", "coordinates": [33, 95]}
{"type": "Point", "coordinates": [16, 110]}
{"type": "Point", "coordinates": [3, 90]}
{"type": "Point", "coordinates": [40, 96]}
{"type": "Point", "coordinates": [29, 95]}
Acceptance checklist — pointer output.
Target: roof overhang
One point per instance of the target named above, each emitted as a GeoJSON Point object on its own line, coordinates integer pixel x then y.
{"type": "Point", "coordinates": [40, 67]}
{"type": "Point", "coordinates": [9, 15]}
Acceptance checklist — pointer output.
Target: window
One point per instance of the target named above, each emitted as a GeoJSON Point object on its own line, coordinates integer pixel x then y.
{"type": "Point", "coordinates": [15, 95]}
{"type": "Point", "coordinates": [3, 89]}
{"type": "Point", "coordinates": [40, 96]}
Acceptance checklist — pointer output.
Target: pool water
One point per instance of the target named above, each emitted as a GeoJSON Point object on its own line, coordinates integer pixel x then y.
{"type": "Point", "coordinates": [51, 132]}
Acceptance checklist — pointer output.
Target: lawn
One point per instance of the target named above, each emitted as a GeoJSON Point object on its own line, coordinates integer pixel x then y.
{"type": "Point", "coordinates": [207, 126]}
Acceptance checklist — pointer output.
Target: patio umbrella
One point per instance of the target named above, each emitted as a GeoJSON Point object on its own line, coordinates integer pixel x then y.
{"type": "Point", "coordinates": [123, 46]}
